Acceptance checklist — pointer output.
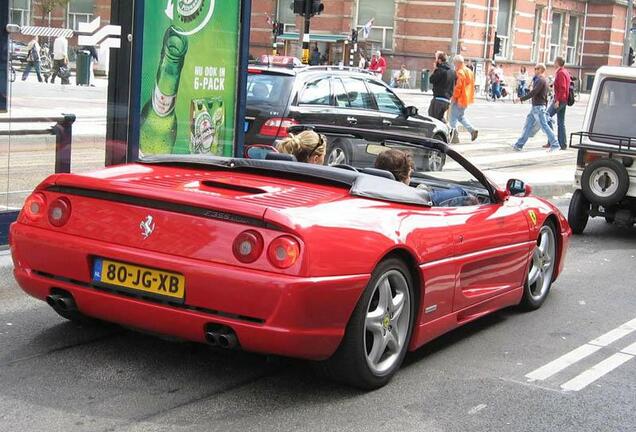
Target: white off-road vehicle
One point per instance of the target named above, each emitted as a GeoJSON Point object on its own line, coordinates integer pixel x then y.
{"type": "Point", "coordinates": [605, 170]}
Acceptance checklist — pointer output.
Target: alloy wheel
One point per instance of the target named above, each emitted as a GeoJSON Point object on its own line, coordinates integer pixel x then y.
{"type": "Point", "coordinates": [543, 261]}
{"type": "Point", "coordinates": [387, 322]}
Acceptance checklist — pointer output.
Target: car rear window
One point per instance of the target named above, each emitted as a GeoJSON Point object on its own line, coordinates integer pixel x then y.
{"type": "Point", "coordinates": [616, 109]}
{"type": "Point", "coordinates": [268, 89]}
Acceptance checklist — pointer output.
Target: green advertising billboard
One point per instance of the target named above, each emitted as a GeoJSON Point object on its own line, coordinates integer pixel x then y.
{"type": "Point", "coordinates": [189, 77]}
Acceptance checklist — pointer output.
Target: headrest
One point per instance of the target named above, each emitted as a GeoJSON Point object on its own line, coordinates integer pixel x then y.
{"type": "Point", "coordinates": [281, 157]}
{"type": "Point", "coordinates": [378, 173]}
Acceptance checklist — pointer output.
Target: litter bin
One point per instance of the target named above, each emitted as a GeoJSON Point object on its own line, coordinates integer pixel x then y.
{"type": "Point", "coordinates": [425, 84]}
{"type": "Point", "coordinates": [83, 68]}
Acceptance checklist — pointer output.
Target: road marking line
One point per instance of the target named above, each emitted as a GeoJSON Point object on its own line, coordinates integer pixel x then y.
{"type": "Point", "coordinates": [631, 350]}
{"type": "Point", "coordinates": [613, 335]}
{"type": "Point", "coordinates": [597, 371]}
{"type": "Point", "coordinates": [566, 360]}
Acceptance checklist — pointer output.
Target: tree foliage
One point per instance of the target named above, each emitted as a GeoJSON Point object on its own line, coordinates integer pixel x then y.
{"type": "Point", "coordinates": [48, 6]}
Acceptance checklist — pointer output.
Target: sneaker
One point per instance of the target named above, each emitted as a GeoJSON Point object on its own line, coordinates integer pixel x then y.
{"type": "Point", "coordinates": [515, 148]}
{"type": "Point", "coordinates": [473, 135]}
{"type": "Point", "coordinates": [546, 146]}
{"type": "Point", "coordinates": [553, 149]}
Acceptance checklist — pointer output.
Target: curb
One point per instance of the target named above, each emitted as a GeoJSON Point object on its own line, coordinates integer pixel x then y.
{"type": "Point", "coordinates": [552, 190]}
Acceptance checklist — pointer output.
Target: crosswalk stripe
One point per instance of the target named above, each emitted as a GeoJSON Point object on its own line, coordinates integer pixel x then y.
{"type": "Point", "coordinates": [631, 350]}
{"type": "Point", "coordinates": [595, 372]}
{"type": "Point", "coordinates": [562, 362]}
{"type": "Point", "coordinates": [566, 360]}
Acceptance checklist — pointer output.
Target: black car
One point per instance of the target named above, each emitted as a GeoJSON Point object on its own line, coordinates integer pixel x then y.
{"type": "Point", "coordinates": [278, 98]}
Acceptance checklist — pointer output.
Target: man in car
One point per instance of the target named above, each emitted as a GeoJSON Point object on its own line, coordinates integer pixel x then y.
{"type": "Point", "coordinates": [443, 80]}
{"type": "Point", "coordinates": [401, 165]}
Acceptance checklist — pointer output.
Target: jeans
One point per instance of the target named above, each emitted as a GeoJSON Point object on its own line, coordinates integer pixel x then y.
{"type": "Point", "coordinates": [560, 112]}
{"type": "Point", "coordinates": [458, 114]}
{"type": "Point", "coordinates": [447, 196]}
{"type": "Point", "coordinates": [27, 70]}
{"type": "Point", "coordinates": [496, 90]}
{"type": "Point", "coordinates": [537, 116]}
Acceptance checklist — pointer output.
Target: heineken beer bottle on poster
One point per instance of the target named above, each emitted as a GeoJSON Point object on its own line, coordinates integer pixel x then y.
{"type": "Point", "coordinates": [202, 128]}
{"type": "Point", "coordinates": [158, 117]}
{"type": "Point", "coordinates": [215, 107]}
{"type": "Point", "coordinates": [191, 16]}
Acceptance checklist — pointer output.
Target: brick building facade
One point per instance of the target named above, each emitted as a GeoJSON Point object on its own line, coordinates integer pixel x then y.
{"type": "Point", "coordinates": [588, 34]}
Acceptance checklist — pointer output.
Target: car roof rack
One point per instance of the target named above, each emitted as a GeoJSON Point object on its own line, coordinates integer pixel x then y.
{"type": "Point", "coordinates": [337, 68]}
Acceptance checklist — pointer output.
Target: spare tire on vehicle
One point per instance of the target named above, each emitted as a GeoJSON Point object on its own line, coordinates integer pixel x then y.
{"type": "Point", "coordinates": [605, 182]}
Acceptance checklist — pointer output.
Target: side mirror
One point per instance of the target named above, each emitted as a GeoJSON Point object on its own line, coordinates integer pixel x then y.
{"type": "Point", "coordinates": [411, 111]}
{"type": "Point", "coordinates": [258, 151]}
{"type": "Point", "coordinates": [516, 187]}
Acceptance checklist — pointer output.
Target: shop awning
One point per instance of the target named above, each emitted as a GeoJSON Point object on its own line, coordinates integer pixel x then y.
{"type": "Point", "coordinates": [314, 37]}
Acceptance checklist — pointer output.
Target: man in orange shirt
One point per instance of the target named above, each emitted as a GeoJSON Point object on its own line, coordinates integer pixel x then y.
{"type": "Point", "coordinates": [463, 96]}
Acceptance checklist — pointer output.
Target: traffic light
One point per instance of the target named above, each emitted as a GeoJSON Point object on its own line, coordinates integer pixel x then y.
{"type": "Point", "coordinates": [278, 29]}
{"type": "Point", "coordinates": [497, 47]}
{"type": "Point", "coordinates": [316, 7]}
{"type": "Point", "coordinates": [298, 6]}
{"type": "Point", "coordinates": [354, 36]}
{"type": "Point", "coordinates": [630, 57]}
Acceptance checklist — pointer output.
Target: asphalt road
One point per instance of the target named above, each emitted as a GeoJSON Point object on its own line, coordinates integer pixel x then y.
{"type": "Point", "coordinates": [57, 376]}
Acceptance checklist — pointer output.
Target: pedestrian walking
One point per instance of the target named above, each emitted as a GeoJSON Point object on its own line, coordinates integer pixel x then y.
{"type": "Point", "coordinates": [362, 63]}
{"type": "Point", "coordinates": [378, 65]}
{"type": "Point", "coordinates": [496, 76]}
{"type": "Point", "coordinates": [522, 82]}
{"type": "Point", "coordinates": [443, 81]}
{"type": "Point", "coordinates": [93, 59]}
{"type": "Point", "coordinates": [60, 57]}
{"type": "Point", "coordinates": [315, 57]}
{"type": "Point", "coordinates": [33, 59]}
{"type": "Point", "coordinates": [562, 80]}
{"type": "Point", "coordinates": [463, 97]}
{"type": "Point", "coordinates": [537, 115]}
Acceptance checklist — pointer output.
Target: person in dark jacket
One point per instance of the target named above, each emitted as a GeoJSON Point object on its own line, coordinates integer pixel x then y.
{"type": "Point", "coordinates": [537, 115]}
{"type": "Point", "coordinates": [443, 80]}
{"type": "Point", "coordinates": [315, 57]}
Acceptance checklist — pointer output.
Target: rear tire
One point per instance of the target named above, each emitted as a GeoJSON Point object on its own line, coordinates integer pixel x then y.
{"type": "Point", "coordinates": [579, 212]}
{"type": "Point", "coordinates": [339, 153]}
{"type": "Point", "coordinates": [379, 330]}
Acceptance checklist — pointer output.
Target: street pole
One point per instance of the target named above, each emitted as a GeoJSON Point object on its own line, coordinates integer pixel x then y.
{"type": "Point", "coordinates": [307, 16]}
{"type": "Point", "coordinates": [628, 28]}
{"type": "Point", "coordinates": [454, 48]}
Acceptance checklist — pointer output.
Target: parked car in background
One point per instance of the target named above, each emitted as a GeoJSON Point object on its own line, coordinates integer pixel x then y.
{"type": "Point", "coordinates": [278, 98]}
{"type": "Point", "coordinates": [18, 51]}
{"type": "Point", "coordinates": [605, 178]}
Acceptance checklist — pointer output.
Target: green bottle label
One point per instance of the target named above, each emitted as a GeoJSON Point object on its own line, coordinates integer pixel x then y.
{"type": "Point", "coordinates": [189, 9]}
{"type": "Point", "coordinates": [162, 104]}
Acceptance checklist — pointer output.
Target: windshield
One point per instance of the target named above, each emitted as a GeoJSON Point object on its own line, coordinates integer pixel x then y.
{"type": "Point", "coordinates": [616, 109]}
{"type": "Point", "coordinates": [268, 89]}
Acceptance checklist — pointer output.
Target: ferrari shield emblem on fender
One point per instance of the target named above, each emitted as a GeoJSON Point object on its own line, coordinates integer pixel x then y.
{"type": "Point", "coordinates": [533, 217]}
{"type": "Point", "coordinates": [147, 227]}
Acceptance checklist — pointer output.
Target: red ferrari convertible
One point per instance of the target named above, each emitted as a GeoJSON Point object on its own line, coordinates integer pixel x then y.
{"type": "Point", "coordinates": [341, 265]}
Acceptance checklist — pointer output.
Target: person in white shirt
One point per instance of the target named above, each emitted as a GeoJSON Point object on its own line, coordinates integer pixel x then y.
{"type": "Point", "coordinates": [60, 56]}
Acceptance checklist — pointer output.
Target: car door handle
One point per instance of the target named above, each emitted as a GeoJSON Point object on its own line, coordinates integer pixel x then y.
{"type": "Point", "coordinates": [352, 120]}
{"type": "Point", "coordinates": [386, 122]}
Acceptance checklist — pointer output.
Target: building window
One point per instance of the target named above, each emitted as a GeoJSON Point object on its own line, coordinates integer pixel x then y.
{"type": "Point", "coordinates": [20, 12]}
{"type": "Point", "coordinates": [285, 14]}
{"type": "Point", "coordinates": [504, 23]}
{"type": "Point", "coordinates": [536, 35]}
{"type": "Point", "coordinates": [555, 36]}
{"type": "Point", "coordinates": [573, 40]}
{"type": "Point", "coordinates": [383, 15]}
{"type": "Point", "coordinates": [80, 11]}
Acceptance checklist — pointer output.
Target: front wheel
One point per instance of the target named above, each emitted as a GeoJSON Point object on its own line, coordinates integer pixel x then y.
{"type": "Point", "coordinates": [541, 273]}
{"type": "Point", "coordinates": [379, 331]}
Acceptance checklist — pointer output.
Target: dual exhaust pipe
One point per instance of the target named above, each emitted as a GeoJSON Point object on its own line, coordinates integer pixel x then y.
{"type": "Point", "coordinates": [62, 302]}
{"type": "Point", "coordinates": [221, 336]}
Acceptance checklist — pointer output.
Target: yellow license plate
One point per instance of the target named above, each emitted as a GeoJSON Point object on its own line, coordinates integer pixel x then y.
{"type": "Point", "coordinates": [151, 281]}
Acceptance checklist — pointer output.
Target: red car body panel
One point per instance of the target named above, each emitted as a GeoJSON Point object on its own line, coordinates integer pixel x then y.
{"type": "Point", "coordinates": [466, 261]}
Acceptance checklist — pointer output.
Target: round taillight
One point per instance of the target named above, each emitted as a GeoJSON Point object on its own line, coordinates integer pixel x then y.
{"type": "Point", "coordinates": [59, 212]}
{"type": "Point", "coordinates": [283, 252]}
{"type": "Point", "coordinates": [34, 206]}
{"type": "Point", "coordinates": [248, 246]}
